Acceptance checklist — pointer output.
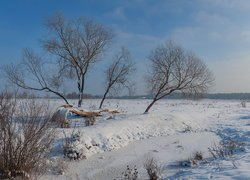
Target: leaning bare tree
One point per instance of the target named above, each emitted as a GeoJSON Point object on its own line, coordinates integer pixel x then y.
{"type": "Point", "coordinates": [78, 44]}
{"type": "Point", "coordinates": [31, 74]}
{"type": "Point", "coordinates": [117, 74]}
{"type": "Point", "coordinates": [173, 69]}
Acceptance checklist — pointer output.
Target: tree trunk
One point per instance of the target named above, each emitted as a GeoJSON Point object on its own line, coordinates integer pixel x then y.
{"type": "Point", "coordinates": [150, 105]}
{"type": "Point", "coordinates": [103, 98]}
{"type": "Point", "coordinates": [80, 99]}
{"type": "Point", "coordinates": [81, 87]}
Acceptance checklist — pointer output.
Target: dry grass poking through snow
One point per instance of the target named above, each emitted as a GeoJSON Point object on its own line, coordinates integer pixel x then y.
{"type": "Point", "coordinates": [194, 160]}
{"type": "Point", "coordinates": [60, 120]}
{"type": "Point", "coordinates": [153, 169]}
{"type": "Point", "coordinates": [226, 148]}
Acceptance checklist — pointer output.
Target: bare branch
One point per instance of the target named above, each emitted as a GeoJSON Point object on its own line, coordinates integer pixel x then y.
{"type": "Point", "coordinates": [30, 74]}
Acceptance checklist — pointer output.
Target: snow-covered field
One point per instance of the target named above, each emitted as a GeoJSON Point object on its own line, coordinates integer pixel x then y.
{"type": "Point", "coordinates": [171, 133]}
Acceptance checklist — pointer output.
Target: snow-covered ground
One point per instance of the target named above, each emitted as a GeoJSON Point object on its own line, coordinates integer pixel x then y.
{"type": "Point", "coordinates": [171, 133]}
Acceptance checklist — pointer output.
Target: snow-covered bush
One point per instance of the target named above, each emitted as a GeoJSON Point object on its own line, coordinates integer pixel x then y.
{"type": "Point", "coordinates": [153, 169]}
{"type": "Point", "coordinates": [226, 148]}
{"type": "Point", "coordinates": [25, 138]}
{"type": "Point", "coordinates": [73, 148]}
{"type": "Point", "coordinates": [130, 174]}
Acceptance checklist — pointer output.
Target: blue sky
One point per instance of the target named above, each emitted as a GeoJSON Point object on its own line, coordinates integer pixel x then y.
{"type": "Point", "coordinates": [216, 30]}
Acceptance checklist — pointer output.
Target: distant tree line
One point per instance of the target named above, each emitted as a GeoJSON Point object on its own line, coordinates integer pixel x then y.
{"type": "Point", "coordinates": [75, 95]}
{"type": "Point", "coordinates": [225, 96]}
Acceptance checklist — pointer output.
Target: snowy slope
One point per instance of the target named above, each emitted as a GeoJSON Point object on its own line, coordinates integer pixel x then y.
{"type": "Point", "coordinates": [171, 132]}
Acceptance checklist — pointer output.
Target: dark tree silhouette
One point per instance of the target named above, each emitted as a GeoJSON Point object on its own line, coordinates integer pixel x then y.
{"type": "Point", "coordinates": [174, 69]}
{"type": "Point", "coordinates": [117, 74]}
{"type": "Point", "coordinates": [78, 44]}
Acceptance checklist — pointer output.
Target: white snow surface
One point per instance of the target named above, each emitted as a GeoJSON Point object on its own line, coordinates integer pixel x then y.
{"type": "Point", "coordinates": [171, 132]}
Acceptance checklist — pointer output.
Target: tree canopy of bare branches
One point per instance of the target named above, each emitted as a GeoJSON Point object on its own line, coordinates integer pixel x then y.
{"type": "Point", "coordinates": [174, 69]}
{"type": "Point", "coordinates": [117, 74]}
{"type": "Point", "coordinates": [30, 74]}
{"type": "Point", "coordinates": [78, 44]}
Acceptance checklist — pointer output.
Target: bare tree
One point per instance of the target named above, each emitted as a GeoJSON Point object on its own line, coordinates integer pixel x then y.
{"type": "Point", "coordinates": [30, 74]}
{"type": "Point", "coordinates": [78, 44]}
{"type": "Point", "coordinates": [173, 69]}
{"type": "Point", "coordinates": [117, 74]}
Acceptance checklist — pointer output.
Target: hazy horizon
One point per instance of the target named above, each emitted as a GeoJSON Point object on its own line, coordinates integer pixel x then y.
{"type": "Point", "coordinates": [215, 30]}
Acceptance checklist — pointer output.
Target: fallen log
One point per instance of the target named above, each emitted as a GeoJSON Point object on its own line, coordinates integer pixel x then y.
{"type": "Point", "coordinates": [84, 113]}
{"type": "Point", "coordinates": [112, 111]}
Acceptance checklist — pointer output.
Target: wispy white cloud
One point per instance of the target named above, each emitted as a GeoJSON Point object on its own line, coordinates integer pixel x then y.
{"type": "Point", "coordinates": [212, 31]}
{"type": "Point", "coordinates": [117, 13]}
{"type": "Point", "coordinates": [212, 19]}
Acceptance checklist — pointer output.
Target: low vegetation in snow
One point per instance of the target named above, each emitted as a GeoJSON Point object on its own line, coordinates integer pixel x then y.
{"type": "Point", "coordinates": [26, 137]}
{"type": "Point", "coordinates": [73, 148]}
{"type": "Point", "coordinates": [154, 171]}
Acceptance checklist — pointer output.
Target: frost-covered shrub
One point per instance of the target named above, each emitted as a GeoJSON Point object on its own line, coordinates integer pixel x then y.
{"type": "Point", "coordinates": [130, 174]}
{"type": "Point", "coordinates": [73, 148]}
{"type": "Point", "coordinates": [153, 169]}
{"type": "Point", "coordinates": [25, 138]}
{"type": "Point", "coordinates": [226, 148]}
